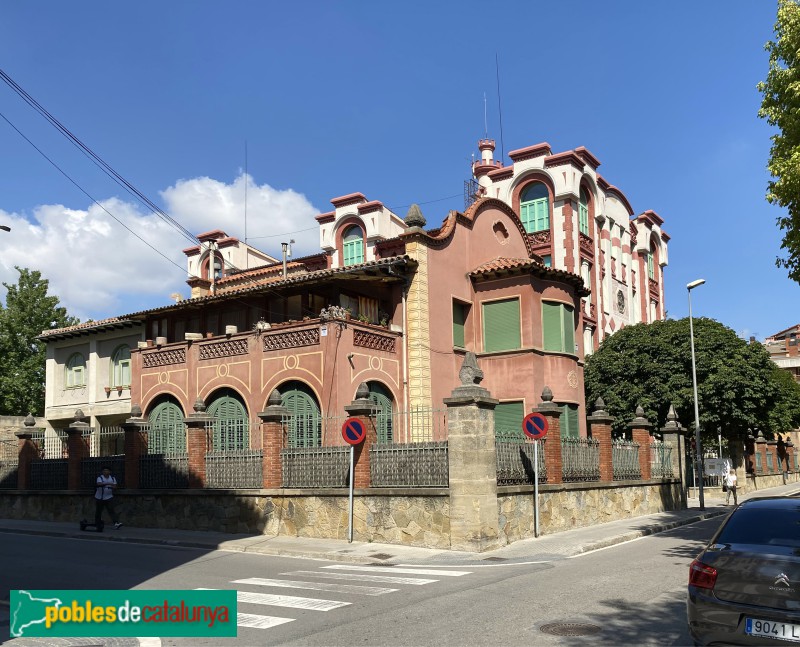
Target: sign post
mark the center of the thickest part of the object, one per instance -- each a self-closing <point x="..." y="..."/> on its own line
<point x="534" y="426"/>
<point x="353" y="432"/>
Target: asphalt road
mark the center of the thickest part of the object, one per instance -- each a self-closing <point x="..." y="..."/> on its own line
<point x="632" y="593"/>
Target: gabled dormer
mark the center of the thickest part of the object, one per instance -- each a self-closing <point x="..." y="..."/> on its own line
<point x="349" y="233"/>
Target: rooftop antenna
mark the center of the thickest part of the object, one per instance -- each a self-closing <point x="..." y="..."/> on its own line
<point x="485" y="122"/>
<point x="499" y="106"/>
<point x="247" y="256"/>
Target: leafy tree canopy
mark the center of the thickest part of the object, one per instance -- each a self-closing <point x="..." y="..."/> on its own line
<point x="738" y="385"/>
<point x="781" y="108"/>
<point x="29" y="310"/>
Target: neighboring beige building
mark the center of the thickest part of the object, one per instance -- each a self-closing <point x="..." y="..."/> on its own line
<point x="783" y="347"/>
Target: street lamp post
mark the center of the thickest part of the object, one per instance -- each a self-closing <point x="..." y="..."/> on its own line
<point x="698" y="447"/>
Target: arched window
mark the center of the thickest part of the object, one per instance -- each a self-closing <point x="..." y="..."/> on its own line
<point x="231" y="428"/>
<point x="651" y="269"/>
<point x="167" y="434"/>
<point x="218" y="269"/>
<point x="382" y="398"/>
<point x="75" y="371"/>
<point x="535" y="208"/>
<point x="583" y="213"/>
<point x="353" y="245"/>
<point x="305" y="424"/>
<point x="121" y="366"/>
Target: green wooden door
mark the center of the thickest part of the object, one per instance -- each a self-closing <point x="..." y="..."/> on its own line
<point x="167" y="433"/>
<point x="570" y="426"/>
<point x="508" y="422"/>
<point x="230" y="423"/>
<point x="305" y="423"/>
<point x="383" y="399"/>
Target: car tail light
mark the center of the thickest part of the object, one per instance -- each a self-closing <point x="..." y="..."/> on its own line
<point x="702" y="576"/>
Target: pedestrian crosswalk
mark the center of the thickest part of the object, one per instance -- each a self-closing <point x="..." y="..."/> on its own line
<point x="332" y="581"/>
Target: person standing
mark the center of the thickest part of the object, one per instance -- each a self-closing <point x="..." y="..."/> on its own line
<point x="730" y="485"/>
<point x="104" y="498"/>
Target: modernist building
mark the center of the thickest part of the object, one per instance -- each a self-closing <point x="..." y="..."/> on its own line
<point x="546" y="261"/>
<point x="782" y="348"/>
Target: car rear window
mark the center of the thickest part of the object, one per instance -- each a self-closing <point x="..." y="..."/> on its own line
<point x="773" y="527"/>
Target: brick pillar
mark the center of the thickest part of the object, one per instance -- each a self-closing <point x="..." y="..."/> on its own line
<point x="472" y="463"/>
<point x="674" y="437"/>
<point x="26" y="452"/>
<point x="135" y="429"/>
<point x="761" y="449"/>
<point x="272" y="440"/>
<point x="790" y="455"/>
<point x="749" y="452"/>
<point x="363" y="409"/>
<point x="772" y="448"/>
<point x="199" y="441"/>
<point x="640" y="432"/>
<point x="600" y="426"/>
<point x="783" y="459"/>
<point x="77" y="450"/>
<point x="552" y="444"/>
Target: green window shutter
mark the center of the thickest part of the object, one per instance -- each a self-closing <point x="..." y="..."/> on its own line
<point x="650" y="268"/>
<point x="230" y="424"/>
<point x="353" y="246"/>
<point x="583" y="218"/>
<point x="547" y="260"/>
<point x="569" y="421"/>
<point x="534" y="208"/>
<point x="167" y="433"/>
<point x="383" y="421"/>
<point x="542" y="219"/>
<point x="305" y="422"/>
<point x="569" y="329"/>
<point x="121" y="367"/>
<point x="508" y="421"/>
<point x="501" y="328"/>
<point x="459" y="317"/>
<point x="551" y="326"/>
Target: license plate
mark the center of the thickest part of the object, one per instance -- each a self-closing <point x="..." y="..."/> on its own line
<point x="772" y="629"/>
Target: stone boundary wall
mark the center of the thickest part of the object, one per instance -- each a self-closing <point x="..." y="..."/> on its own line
<point x="763" y="481"/>
<point x="576" y="505"/>
<point x="9" y="425"/>
<point x="407" y="517"/>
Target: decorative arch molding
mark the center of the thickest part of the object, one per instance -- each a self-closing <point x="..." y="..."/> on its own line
<point x="527" y="178"/>
<point x="293" y="380"/>
<point x="446" y="231"/>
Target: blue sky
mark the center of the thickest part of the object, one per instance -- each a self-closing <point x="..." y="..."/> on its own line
<point x="387" y="99"/>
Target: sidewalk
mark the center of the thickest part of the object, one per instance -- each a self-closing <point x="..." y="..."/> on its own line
<point x="546" y="548"/>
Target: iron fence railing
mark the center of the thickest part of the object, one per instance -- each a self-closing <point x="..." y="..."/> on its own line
<point x="770" y="462"/>
<point x="8" y="474"/>
<point x="235" y="469"/>
<point x="409" y="464"/>
<point x="49" y="474"/>
<point x="419" y="424"/>
<point x="514" y="457"/>
<point x="107" y="441"/>
<point x="580" y="459"/>
<point x="315" y="467"/>
<point x="625" y="460"/>
<point x="759" y="465"/>
<point x="661" y="460"/>
<point x="164" y="471"/>
<point x="53" y="443"/>
<point x="92" y="467"/>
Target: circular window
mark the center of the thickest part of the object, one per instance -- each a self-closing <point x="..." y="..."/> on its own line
<point x="500" y="233"/>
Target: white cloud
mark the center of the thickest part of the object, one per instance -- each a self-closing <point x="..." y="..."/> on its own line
<point x="99" y="269"/>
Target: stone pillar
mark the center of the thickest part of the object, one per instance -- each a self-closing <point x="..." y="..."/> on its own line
<point x="640" y="432"/>
<point x="273" y="440"/>
<point x="198" y="427"/>
<point x="790" y="455"/>
<point x="761" y="450"/>
<point x="600" y="425"/>
<point x="472" y="463"/>
<point x="363" y="409"/>
<point x="135" y="445"/>
<point x="783" y="462"/>
<point x="674" y="437"/>
<point x="750" y="452"/>
<point x="552" y="444"/>
<point x="27" y="452"/>
<point x="77" y="449"/>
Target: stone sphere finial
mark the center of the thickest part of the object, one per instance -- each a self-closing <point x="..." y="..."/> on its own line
<point x="199" y="406"/>
<point x="274" y="399"/>
<point x="639" y="412"/>
<point x="470" y="373"/>
<point x="79" y="415"/>
<point x="29" y="420"/>
<point x="136" y="411"/>
<point x="414" y="217"/>
<point x="547" y="394"/>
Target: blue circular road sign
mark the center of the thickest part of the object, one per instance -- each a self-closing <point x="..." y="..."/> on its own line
<point x="353" y="431"/>
<point x="535" y="426"/>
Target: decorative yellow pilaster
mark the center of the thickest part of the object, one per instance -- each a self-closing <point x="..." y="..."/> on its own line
<point x="419" y="338"/>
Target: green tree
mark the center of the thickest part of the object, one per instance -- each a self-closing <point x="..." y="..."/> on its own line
<point x="651" y="365"/>
<point x="781" y="108"/>
<point x="29" y="310"/>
